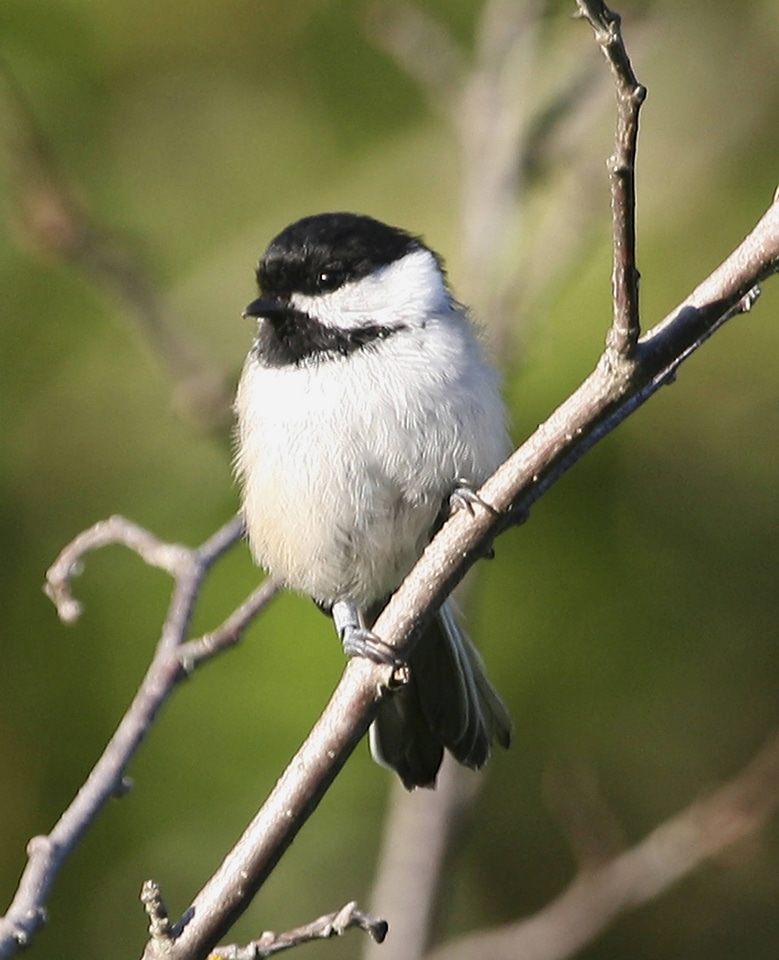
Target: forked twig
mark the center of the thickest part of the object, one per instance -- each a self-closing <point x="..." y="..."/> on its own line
<point x="174" y="659"/>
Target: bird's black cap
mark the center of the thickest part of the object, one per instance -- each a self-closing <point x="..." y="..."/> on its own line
<point x="325" y="251"/>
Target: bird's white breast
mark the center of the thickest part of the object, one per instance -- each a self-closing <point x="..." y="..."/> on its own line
<point x="345" y="463"/>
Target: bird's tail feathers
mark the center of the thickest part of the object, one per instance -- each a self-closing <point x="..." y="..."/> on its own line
<point x="448" y="703"/>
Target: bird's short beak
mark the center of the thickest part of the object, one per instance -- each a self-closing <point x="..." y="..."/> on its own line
<point x="267" y="307"/>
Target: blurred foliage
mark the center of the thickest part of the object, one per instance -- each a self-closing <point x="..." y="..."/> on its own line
<point x="631" y="624"/>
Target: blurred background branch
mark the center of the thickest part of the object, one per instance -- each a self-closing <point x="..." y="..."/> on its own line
<point x="420" y="839"/>
<point x="601" y="892"/>
<point x="505" y="126"/>
<point x="52" y="220"/>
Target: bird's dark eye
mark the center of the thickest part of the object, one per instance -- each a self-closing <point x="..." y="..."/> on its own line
<point x="329" y="280"/>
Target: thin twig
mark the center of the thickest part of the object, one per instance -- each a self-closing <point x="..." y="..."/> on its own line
<point x="174" y="659"/>
<point x="160" y="926"/>
<point x="330" y="925"/>
<point x="307" y="778"/>
<point x="228" y="633"/>
<point x="606" y="24"/>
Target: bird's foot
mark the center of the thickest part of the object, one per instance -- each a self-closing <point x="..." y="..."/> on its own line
<point x="358" y="640"/>
<point x="465" y="496"/>
<point x="361" y="642"/>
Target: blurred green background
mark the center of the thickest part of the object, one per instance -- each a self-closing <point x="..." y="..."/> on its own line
<point x="631" y="624"/>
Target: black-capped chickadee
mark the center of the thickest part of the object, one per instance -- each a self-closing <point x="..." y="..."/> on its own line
<point x="364" y="404"/>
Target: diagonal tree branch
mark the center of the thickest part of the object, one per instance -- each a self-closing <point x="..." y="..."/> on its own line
<point x="615" y="389"/>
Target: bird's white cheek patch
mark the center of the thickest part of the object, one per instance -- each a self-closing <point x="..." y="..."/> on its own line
<point x="405" y="291"/>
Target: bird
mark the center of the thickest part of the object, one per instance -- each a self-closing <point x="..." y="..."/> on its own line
<point x="366" y="411"/>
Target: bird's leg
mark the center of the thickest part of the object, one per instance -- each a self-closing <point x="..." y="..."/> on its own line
<point x="357" y="639"/>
